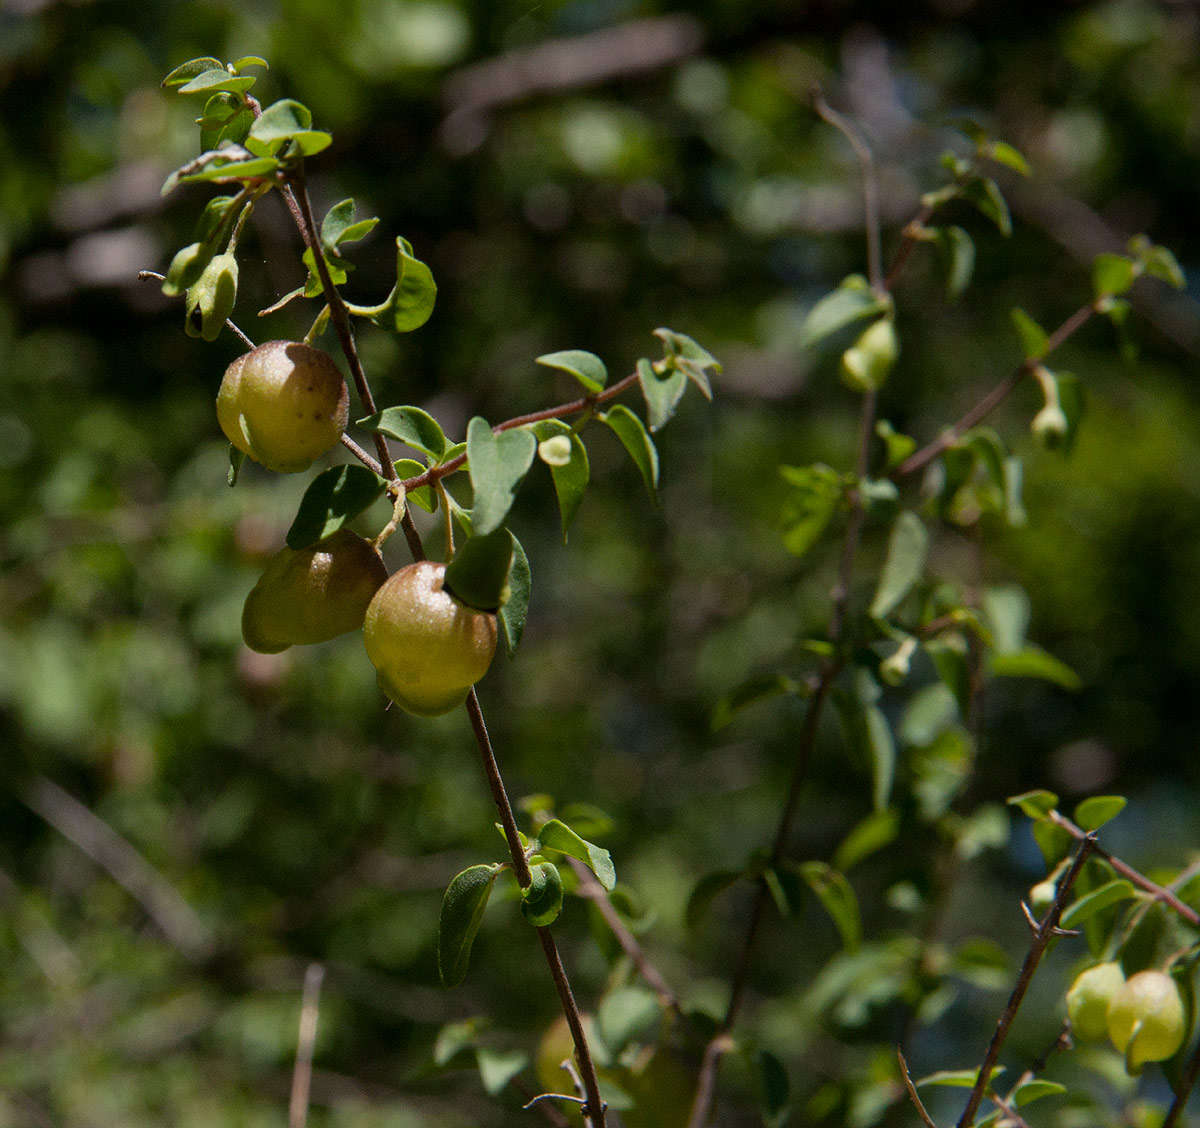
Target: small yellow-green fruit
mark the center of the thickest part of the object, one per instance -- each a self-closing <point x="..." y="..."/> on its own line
<point x="865" y="365"/>
<point x="427" y="648"/>
<point x="284" y="404"/>
<point x="312" y="594"/>
<point x="1088" y="1000"/>
<point x="1145" y="1019"/>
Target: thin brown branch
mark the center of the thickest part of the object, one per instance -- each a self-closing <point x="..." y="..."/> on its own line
<point x="921" y="458"/>
<point x="1047" y="930"/>
<point x="913" y="1095"/>
<point x="305" y="1043"/>
<point x="1011" y="1115"/>
<point x="1158" y="892"/>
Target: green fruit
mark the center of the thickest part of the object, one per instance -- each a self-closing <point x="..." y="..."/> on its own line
<point x="284" y="404"/>
<point x="1089" y="997"/>
<point x="1146" y="1019"/>
<point x="427" y="648"/>
<point x="865" y="366"/>
<point x="312" y="594"/>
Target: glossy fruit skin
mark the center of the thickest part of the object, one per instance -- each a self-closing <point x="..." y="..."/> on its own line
<point x="284" y="404"/>
<point x="312" y="594"/>
<point x="1088" y="1000"/>
<point x="1146" y="1019"/>
<point x="427" y="648"/>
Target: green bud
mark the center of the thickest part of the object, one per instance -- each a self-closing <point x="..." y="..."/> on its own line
<point x="866" y="365"/>
<point x="555" y="451"/>
<point x="210" y="299"/>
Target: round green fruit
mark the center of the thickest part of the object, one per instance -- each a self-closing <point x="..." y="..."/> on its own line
<point x="284" y="404"/>
<point x="1146" y="1019"/>
<point x="427" y="648"/>
<point x="1089" y="997"/>
<point x="312" y="594"/>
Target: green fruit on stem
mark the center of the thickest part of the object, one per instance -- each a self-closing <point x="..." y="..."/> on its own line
<point x="1146" y="1020"/>
<point x="427" y="648"/>
<point x="1088" y="1000"/>
<point x="284" y="404"/>
<point x="865" y="366"/>
<point x="312" y="594"/>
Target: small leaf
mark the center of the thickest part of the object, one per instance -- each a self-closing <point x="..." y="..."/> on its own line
<point x="250" y="61"/>
<point x="556" y="835"/>
<point x="985" y="194"/>
<point x="334" y="496"/>
<point x="835" y="893"/>
<point x="899" y="446"/>
<point x="1033" y="662"/>
<point x="877" y="830"/>
<point x="661" y="393"/>
<point x="1054" y="842"/>
<point x="761" y="688"/>
<point x="1159" y="262"/>
<point x="686" y="356"/>
<point x="1007" y="610"/>
<point x="867" y="734"/>
<point x="1033" y="337"/>
<point x="339" y="226"/>
<point x="957" y="250"/>
<point x="636" y="440"/>
<point x="186" y="267"/>
<point x="1004" y="153"/>
<point x="412" y="426"/>
<point x="498" y="1067"/>
<point x="477" y="574"/>
<point x="571" y="477"/>
<point x="411" y="302"/>
<point x="957" y="1078"/>
<point x="463" y="905"/>
<point x="1093" y="813"/>
<point x="185" y="72"/>
<point x="773" y="1086"/>
<point x="586" y="367"/>
<point x="210" y="299"/>
<point x="907" y="548"/>
<point x="282" y="120"/>
<point x="216" y="78"/>
<point x="1112" y="274"/>
<point x="705" y="892"/>
<point x="1111" y="893"/>
<point x="455" y="1037"/>
<point x="850" y="302"/>
<point x="498" y="463"/>
<point x="225" y="168"/>
<point x="1034" y="1090"/>
<point x="515" y="610"/>
<point x="542" y="901"/>
<point x="423" y="496"/>
<point x="1036" y="804"/>
<point x="626" y="1014"/>
<point x="810" y="505"/>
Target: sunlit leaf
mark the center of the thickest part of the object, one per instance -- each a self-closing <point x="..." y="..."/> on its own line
<point x="586" y="367"/>
<point x="636" y="440"/>
<point x="463" y="906"/>
<point x="498" y="463"/>
<point x="556" y="835"/>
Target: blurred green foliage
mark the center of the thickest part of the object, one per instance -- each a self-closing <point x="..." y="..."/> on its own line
<point x="286" y="817"/>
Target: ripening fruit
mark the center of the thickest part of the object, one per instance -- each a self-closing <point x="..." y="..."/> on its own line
<point x="312" y="594"/>
<point x="427" y="648"/>
<point x="284" y="404"/>
<point x="1089" y="997"/>
<point x="1146" y="1019"/>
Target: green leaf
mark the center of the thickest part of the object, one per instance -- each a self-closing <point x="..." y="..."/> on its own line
<point x="957" y="1078"/>
<point x="411" y="302"/>
<point x="690" y="358"/>
<point x="556" y="835"/>
<point x="424" y="496"/>
<point x="986" y="828"/>
<point x="334" y="496"/>
<point x="571" y="477"/>
<point x="957" y="250"/>
<point x="463" y="905"/>
<point x="339" y="226"/>
<point x="515" y="610"/>
<point x="498" y="463"/>
<point x="1003" y="153"/>
<point x="774" y="1088"/>
<point x="210" y="299"/>
<point x="1034" y="1090"/>
<point x="455" y="1037"/>
<point x="1093" y="813"/>
<point x="877" y="830"/>
<point x="226" y="117"/>
<point x="661" y="393"/>
<point x="412" y="426"/>
<point x="810" y="505"/>
<point x="542" y="901"/>
<point x="222" y="168"/>
<point x="1036" y="804"/>
<point x="705" y="892"/>
<point x="1158" y="262"/>
<point x="236" y="458"/>
<point x="981" y="962"/>
<point x="899" y="446"/>
<point x="761" y="688"/>
<point x="1033" y="337"/>
<point x="185" y="72"/>
<point x="216" y="78"/>
<point x="282" y="120"/>
<point x="1033" y="662"/>
<point x="1054" y="842"/>
<point x="627" y="1014"/>
<point x="636" y="440"/>
<point x="477" y="574"/>
<point x="186" y="267"/>
<point x="1112" y="274"/>
<point x="498" y="1067"/>
<point x="586" y="367"/>
<point x="949" y="656"/>
<point x="867" y="734"/>
<point x="850" y="302"/>
<point x="1006" y="609"/>
<point x="985" y="194"/>
<point x="250" y="61"/>
<point x="905" y="561"/>
<point x="1111" y="893"/>
<point x="835" y="893"/>
<point x="338" y="273"/>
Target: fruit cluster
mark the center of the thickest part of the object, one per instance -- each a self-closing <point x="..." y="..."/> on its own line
<point x="1143" y="1016"/>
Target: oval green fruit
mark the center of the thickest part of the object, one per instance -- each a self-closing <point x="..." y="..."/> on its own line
<point x="284" y="404"/>
<point x="1089" y="997"/>
<point x="427" y="648"/>
<point x="312" y="594"/>
<point x="1146" y="1019"/>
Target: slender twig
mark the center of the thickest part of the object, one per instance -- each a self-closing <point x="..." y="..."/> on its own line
<point x="153" y="275"/>
<point x="1139" y="879"/>
<point x="1047" y="930"/>
<point x="1186" y="1084"/>
<point x="913" y="1095"/>
<point x="1011" y="1116"/>
<point x="305" y="1043"/>
<point x="921" y="458"/>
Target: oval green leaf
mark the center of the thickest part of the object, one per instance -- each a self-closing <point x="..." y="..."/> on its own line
<point x="1087" y="906"/>
<point x="412" y="426"/>
<point x="498" y="463"/>
<point x="556" y="835"/>
<point x="907" y="548"/>
<point x="571" y="478"/>
<point x="513" y="613"/>
<point x="661" y="393"/>
<point x="463" y="905"/>
<point x="334" y="496"/>
<point x="636" y="440"/>
<point x="478" y="572"/>
<point x="586" y="367"/>
<point x="1093" y="813"/>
